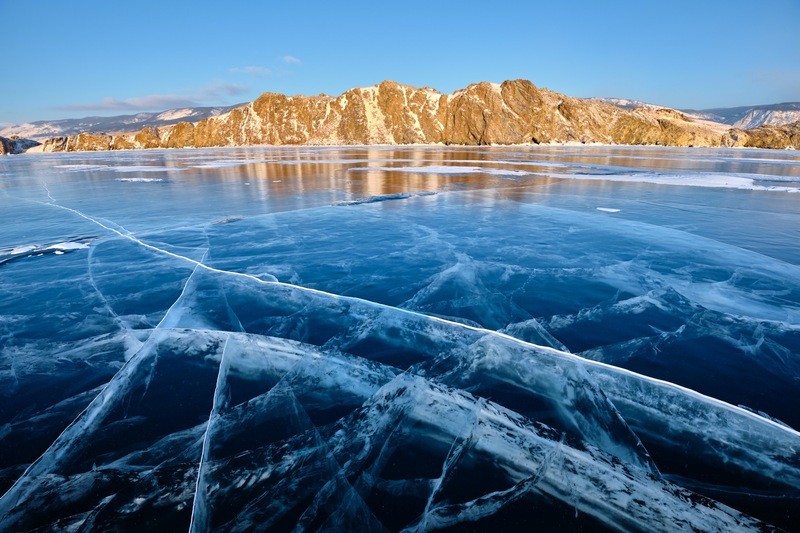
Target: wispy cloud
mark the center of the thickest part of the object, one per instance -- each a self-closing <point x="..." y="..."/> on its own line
<point x="214" y="92"/>
<point x="138" y="103"/>
<point x="291" y="60"/>
<point x="219" y="90"/>
<point x="252" y="70"/>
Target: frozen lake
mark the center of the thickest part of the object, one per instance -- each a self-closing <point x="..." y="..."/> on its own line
<point x="381" y="338"/>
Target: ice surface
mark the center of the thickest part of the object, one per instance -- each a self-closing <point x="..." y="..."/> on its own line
<point x="382" y="198"/>
<point x="209" y="356"/>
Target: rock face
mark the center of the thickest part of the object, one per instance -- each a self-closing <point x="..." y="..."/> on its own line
<point x="6" y="146"/>
<point x="15" y="145"/>
<point x="765" y="137"/>
<point x="513" y="112"/>
<point x="93" y="142"/>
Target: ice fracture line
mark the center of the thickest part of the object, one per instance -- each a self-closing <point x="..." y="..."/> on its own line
<point x="546" y="349"/>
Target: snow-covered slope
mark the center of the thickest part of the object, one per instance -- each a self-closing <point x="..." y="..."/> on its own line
<point x="762" y="117"/>
<point x="747" y="117"/>
<point x="625" y="103"/>
<point x="744" y="117"/>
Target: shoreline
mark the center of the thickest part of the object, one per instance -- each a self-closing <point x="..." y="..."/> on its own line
<point x="37" y="150"/>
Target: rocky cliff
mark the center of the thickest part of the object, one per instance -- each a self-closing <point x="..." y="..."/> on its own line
<point x="15" y="145"/>
<point x="787" y="136"/>
<point x="513" y="112"/>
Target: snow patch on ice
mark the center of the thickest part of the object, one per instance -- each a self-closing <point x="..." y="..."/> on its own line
<point x="117" y="168"/>
<point x="34" y="250"/>
<point x="141" y="180"/>
<point x="66" y="246"/>
<point x="724" y="181"/>
<point x="78" y="168"/>
<point x="225" y="163"/>
<point x="141" y="168"/>
<point x="23" y="249"/>
<point x="448" y="169"/>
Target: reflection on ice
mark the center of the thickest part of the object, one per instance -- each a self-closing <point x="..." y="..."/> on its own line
<point x="476" y="348"/>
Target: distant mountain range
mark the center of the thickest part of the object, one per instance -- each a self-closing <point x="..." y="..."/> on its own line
<point x="45" y="129"/>
<point x="747" y="117"/>
<point x="743" y="117"/>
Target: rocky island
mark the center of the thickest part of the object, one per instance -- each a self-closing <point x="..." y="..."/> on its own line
<point x="512" y="112"/>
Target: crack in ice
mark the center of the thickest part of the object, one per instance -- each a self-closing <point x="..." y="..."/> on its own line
<point x="488" y="504"/>
<point x="132" y="344"/>
<point x="339" y="477"/>
<point x="455" y="453"/>
<point x="162" y="323"/>
<point x="545" y="349"/>
<point x="88" y="415"/>
<point x="47" y="190"/>
<point x="200" y="523"/>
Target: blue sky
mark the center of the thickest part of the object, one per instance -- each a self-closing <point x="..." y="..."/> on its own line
<point x="73" y="59"/>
